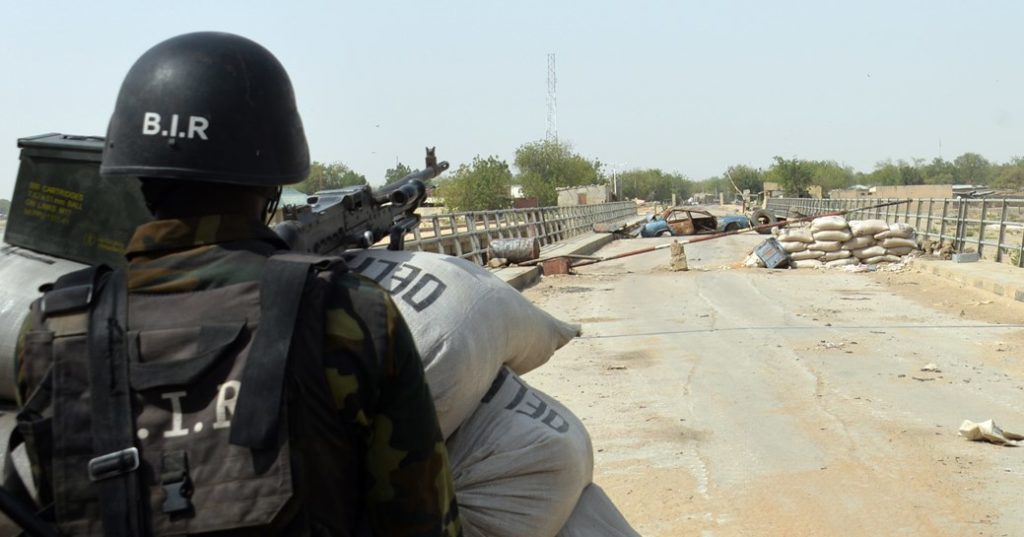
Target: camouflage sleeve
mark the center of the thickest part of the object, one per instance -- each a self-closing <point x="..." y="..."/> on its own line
<point x="412" y="492"/>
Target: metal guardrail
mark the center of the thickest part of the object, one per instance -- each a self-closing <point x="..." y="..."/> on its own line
<point x="468" y="234"/>
<point x="994" y="228"/>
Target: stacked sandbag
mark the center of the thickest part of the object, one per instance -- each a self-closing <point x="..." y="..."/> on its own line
<point x="836" y="242"/>
<point x="467" y="324"/>
<point x="797" y="241"/>
<point x="520" y="463"/>
<point x="520" y="460"/>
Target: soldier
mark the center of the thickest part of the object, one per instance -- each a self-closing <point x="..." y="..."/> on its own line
<point x="217" y="385"/>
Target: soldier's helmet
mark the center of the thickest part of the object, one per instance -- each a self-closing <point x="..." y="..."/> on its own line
<point x="207" y="106"/>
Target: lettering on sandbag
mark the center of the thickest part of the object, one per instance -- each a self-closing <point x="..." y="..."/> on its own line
<point x="536" y="407"/>
<point x="420" y="289"/>
<point x="415" y="296"/>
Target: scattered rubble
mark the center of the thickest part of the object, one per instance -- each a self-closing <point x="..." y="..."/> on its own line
<point x="988" y="431"/>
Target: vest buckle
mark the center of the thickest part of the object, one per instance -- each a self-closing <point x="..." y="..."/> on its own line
<point x="114" y="464"/>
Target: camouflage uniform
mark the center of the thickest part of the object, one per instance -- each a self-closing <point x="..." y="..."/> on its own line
<point x="407" y="485"/>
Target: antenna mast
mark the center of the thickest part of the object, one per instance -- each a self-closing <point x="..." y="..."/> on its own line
<point x="552" y="132"/>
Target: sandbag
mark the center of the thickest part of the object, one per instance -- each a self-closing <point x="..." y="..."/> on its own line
<point x="807" y="263"/>
<point x="882" y="259"/>
<point x="867" y="228"/>
<point x="872" y="251"/>
<point x="858" y="243"/>
<point x="826" y="246"/>
<point x="901" y="251"/>
<point x="898" y="242"/>
<point x="520" y="462"/>
<point x="596" y="516"/>
<point x="896" y="229"/>
<point x="825" y="223"/>
<point x="832" y="256"/>
<point x="794" y="246"/>
<point x="806" y="254"/>
<point x="840" y="235"/>
<point x="801" y="234"/>
<point x="843" y="262"/>
<point x="466" y="323"/>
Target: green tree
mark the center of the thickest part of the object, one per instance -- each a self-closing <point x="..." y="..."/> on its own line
<point x="482" y="185"/>
<point x="654" y="185"/>
<point x="742" y="177"/>
<point x="830" y="175"/>
<point x="793" y="174"/>
<point x="938" y="172"/>
<point x="5" y="206"/>
<point x="329" y="176"/>
<point x="1010" y="175"/>
<point x="399" y="171"/>
<point x="972" y="169"/>
<point x="547" y="165"/>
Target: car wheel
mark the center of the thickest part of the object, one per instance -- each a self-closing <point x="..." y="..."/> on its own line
<point x="665" y="233"/>
<point x="762" y="217"/>
<point x="732" y="227"/>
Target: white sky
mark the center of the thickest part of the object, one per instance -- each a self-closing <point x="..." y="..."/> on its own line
<point x="690" y="87"/>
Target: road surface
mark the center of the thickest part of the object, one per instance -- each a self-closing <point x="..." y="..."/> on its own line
<point x="727" y="401"/>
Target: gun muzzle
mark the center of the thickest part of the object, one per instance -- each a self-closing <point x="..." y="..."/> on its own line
<point x="407" y="193"/>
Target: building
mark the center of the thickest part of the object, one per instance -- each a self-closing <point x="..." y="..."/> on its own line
<point x="584" y="195"/>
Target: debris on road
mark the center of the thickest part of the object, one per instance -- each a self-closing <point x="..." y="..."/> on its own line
<point x="988" y="431"/>
<point x="678" y="260"/>
<point x="931" y="368"/>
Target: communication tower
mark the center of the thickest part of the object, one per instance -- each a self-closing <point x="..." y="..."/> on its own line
<point x="552" y="132"/>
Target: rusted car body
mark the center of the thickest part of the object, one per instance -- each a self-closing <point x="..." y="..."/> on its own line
<point x="686" y="220"/>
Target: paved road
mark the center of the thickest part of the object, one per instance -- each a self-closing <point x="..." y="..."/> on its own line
<point x="728" y="401"/>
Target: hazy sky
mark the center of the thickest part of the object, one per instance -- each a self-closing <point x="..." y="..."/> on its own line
<point x="691" y="87"/>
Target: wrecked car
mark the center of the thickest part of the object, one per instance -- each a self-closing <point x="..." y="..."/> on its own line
<point x="690" y="221"/>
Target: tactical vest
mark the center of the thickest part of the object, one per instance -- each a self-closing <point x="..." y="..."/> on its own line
<point x="199" y="412"/>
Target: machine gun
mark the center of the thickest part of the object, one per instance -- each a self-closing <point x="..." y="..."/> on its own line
<point x="357" y="217"/>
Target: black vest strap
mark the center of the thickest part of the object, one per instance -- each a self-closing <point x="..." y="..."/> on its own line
<point x="116" y="458"/>
<point x="258" y="410"/>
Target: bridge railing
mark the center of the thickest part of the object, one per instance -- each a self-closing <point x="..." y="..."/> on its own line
<point x="468" y="234"/>
<point x="994" y="228"/>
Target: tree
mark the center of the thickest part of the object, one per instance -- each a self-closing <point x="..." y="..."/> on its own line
<point x="794" y="175"/>
<point x="5" y="206"/>
<point x="399" y="171"/>
<point x="482" y="185"/>
<point x="329" y="176"/>
<point x="1010" y="175"/>
<point x="744" y="177"/>
<point x="654" y="184"/>
<point x="938" y="172"/>
<point x="972" y="169"/>
<point x="547" y="165"/>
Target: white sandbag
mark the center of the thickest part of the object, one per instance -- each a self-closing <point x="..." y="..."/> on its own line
<point x="832" y="256"/>
<point x="794" y="246"/>
<point x="868" y="228"/>
<point x="840" y="235"/>
<point x="826" y="246"/>
<point x="882" y="259"/>
<point x="596" y="516"/>
<point x="825" y="223"/>
<point x="466" y="323"/>
<point x="520" y="462"/>
<point x="896" y="229"/>
<point x="843" y="262"/>
<point x="806" y="254"/>
<point x="898" y="242"/>
<point x="904" y="250"/>
<point x="872" y="251"/>
<point x="807" y="263"/>
<point x="858" y="243"/>
<point x="801" y="234"/>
